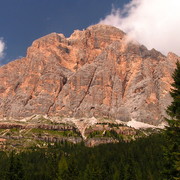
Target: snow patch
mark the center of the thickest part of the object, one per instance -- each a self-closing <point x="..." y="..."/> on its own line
<point x="138" y="125"/>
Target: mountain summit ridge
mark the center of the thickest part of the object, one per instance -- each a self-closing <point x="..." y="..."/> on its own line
<point x="92" y="73"/>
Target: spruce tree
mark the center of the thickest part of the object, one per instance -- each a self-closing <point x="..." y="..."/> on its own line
<point x="16" y="171"/>
<point x="172" y="133"/>
<point x="62" y="168"/>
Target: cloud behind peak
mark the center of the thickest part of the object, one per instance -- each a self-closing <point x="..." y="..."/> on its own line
<point x="154" y="23"/>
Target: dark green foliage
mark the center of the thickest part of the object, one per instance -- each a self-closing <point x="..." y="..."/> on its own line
<point x="137" y="160"/>
<point x="174" y="109"/>
<point x="15" y="170"/>
<point x="3" y="165"/>
<point x="62" y="168"/>
<point x="172" y="150"/>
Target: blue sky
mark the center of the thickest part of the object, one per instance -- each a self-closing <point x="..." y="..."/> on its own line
<point x="23" y="21"/>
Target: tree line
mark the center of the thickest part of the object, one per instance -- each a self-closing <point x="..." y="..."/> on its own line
<point x="137" y="160"/>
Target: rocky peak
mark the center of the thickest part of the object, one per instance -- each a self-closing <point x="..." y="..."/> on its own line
<point x="173" y="57"/>
<point x="94" y="72"/>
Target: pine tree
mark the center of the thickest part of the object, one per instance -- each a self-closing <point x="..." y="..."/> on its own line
<point x="172" y="133"/>
<point x="62" y="168"/>
<point x="15" y="169"/>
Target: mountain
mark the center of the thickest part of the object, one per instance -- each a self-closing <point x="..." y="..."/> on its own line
<point x="97" y="72"/>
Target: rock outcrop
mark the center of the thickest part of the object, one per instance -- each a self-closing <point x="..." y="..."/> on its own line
<point x="95" y="72"/>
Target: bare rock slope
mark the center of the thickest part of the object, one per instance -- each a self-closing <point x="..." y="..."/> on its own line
<point x="95" y="72"/>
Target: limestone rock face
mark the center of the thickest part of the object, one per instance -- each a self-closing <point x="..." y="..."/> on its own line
<point x="95" y="72"/>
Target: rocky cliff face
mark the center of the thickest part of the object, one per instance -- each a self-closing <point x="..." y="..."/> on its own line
<point x="95" y="72"/>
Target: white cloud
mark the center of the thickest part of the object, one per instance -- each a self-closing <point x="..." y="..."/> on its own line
<point x="154" y="23"/>
<point x="2" y="48"/>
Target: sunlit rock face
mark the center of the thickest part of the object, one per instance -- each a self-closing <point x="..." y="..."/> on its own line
<point x="95" y="72"/>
